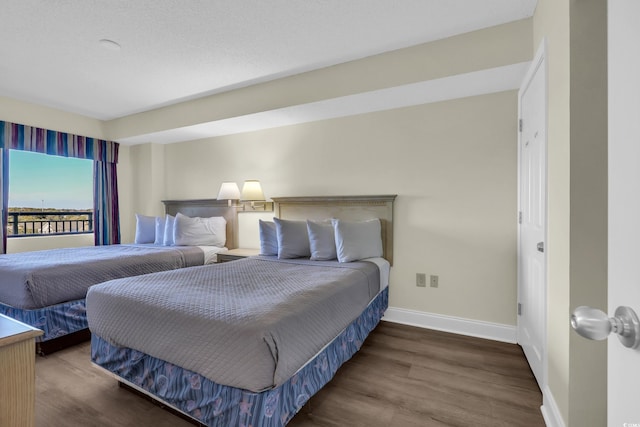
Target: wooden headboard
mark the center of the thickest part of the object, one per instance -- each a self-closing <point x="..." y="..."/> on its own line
<point x="206" y="208"/>
<point x="342" y="207"/>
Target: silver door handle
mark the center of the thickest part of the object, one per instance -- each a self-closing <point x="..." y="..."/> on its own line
<point x="594" y="324"/>
<point x="540" y="246"/>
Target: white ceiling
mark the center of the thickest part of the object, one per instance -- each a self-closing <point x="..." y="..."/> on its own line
<point x="175" y="50"/>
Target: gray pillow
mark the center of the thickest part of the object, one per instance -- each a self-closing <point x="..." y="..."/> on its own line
<point x="159" y="231"/>
<point x="268" y="238"/>
<point x="357" y="240"/>
<point x="145" y="229"/>
<point x="322" y="242"/>
<point x="293" y="238"/>
<point x="169" y="223"/>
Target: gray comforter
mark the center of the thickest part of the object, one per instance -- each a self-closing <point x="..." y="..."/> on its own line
<point x="249" y="324"/>
<point x="39" y="279"/>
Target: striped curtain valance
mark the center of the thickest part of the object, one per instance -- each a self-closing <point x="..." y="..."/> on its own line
<point x="28" y="138"/>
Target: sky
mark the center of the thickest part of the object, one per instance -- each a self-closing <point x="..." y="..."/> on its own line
<point x="42" y="181"/>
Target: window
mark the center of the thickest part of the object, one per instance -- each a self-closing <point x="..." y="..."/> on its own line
<point x="49" y="194"/>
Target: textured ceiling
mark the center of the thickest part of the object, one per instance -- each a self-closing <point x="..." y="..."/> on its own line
<point x="174" y="50"/>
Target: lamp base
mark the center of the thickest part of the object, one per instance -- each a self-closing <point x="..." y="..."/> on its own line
<point x="255" y="206"/>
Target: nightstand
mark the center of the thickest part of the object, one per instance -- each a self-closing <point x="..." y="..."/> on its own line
<point x="235" y="254"/>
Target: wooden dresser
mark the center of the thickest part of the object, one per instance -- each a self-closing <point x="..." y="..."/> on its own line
<point x="17" y="373"/>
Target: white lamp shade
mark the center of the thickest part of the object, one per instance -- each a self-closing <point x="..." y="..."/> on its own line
<point x="229" y="191"/>
<point x="252" y="191"/>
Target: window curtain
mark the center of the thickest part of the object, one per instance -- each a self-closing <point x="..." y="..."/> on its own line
<point x="105" y="203"/>
<point x="4" y="197"/>
<point x="104" y="154"/>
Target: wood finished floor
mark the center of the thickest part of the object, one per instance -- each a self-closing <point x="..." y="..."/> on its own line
<point x="403" y="376"/>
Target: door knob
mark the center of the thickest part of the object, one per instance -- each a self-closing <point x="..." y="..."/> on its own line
<point x="594" y="324"/>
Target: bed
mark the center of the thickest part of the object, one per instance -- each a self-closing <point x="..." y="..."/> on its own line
<point x="47" y="289"/>
<point x="247" y="342"/>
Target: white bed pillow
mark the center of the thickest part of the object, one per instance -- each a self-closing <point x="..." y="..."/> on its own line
<point x="169" y="222"/>
<point x="159" y="224"/>
<point x="145" y="229"/>
<point x="357" y="240"/>
<point x="200" y="231"/>
<point x="268" y="238"/>
<point x="293" y="238"/>
<point x="322" y="242"/>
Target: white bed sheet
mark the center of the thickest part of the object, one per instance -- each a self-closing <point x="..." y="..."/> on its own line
<point x="385" y="268"/>
<point x="211" y="253"/>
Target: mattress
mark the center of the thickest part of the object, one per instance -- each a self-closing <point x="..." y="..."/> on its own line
<point x="39" y="279"/>
<point x="261" y="319"/>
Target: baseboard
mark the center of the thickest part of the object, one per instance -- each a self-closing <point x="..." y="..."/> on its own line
<point x="456" y="325"/>
<point x="550" y="411"/>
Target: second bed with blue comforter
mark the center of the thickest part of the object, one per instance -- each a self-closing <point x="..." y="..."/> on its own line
<point x="254" y="338"/>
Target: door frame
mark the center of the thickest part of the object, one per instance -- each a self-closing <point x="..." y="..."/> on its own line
<point x="538" y="61"/>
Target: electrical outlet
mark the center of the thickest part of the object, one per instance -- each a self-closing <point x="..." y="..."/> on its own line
<point x="433" y="281"/>
<point x="421" y="280"/>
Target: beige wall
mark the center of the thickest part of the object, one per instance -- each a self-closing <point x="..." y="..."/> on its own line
<point x="488" y="48"/>
<point x="588" y="359"/>
<point x="577" y="178"/>
<point x="452" y="164"/>
<point x="127" y="193"/>
<point x="147" y="185"/>
<point x="27" y="244"/>
<point x="29" y="114"/>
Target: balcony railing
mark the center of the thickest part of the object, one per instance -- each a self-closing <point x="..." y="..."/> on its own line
<point x="39" y="223"/>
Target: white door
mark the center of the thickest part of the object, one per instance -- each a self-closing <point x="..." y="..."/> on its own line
<point x="532" y="217"/>
<point x="624" y="204"/>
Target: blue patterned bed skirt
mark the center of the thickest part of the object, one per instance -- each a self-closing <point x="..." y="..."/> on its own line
<point x="56" y="320"/>
<point x="219" y="406"/>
